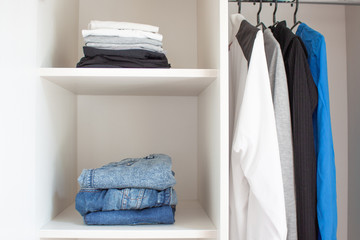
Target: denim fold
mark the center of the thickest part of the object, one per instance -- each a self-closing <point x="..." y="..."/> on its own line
<point x="153" y="172"/>
<point x="94" y="200"/>
<point x="158" y="215"/>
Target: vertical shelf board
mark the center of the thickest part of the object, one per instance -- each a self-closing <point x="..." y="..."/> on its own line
<point x="224" y="120"/>
<point x="134" y="81"/>
<point x="191" y="221"/>
<point x="214" y="114"/>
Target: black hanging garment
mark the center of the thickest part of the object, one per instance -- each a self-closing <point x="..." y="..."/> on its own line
<point x="303" y="101"/>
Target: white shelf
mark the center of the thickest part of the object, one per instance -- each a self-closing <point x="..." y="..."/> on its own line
<point x="191" y="221"/>
<point x="133" y="81"/>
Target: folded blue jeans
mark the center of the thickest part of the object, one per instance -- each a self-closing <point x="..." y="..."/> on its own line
<point x="93" y="200"/>
<point x="153" y="171"/>
<point x="158" y="215"/>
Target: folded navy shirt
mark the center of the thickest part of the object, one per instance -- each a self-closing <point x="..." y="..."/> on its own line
<point x="133" y="58"/>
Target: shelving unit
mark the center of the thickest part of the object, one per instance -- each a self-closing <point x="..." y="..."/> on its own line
<point x="191" y="222"/>
<point x="88" y="117"/>
<point x="144" y="82"/>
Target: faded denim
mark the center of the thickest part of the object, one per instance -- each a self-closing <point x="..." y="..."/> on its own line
<point x="158" y="215"/>
<point x="93" y="200"/>
<point x="153" y="171"/>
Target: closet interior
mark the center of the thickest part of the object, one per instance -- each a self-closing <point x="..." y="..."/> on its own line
<point x="89" y="117"/>
<point x="336" y="21"/>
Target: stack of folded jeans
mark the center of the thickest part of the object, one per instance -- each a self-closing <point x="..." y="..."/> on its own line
<point x="133" y="191"/>
<point x="122" y="45"/>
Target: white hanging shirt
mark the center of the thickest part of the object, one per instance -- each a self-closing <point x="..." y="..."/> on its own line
<point x="257" y="205"/>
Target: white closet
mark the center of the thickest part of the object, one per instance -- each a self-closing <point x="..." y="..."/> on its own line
<point x="56" y="120"/>
<point x="89" y="117"/>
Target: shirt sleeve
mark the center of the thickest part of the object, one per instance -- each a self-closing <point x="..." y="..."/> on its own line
<point x="303" y="101"/>
<point x="326" y="173"/>
<point x="255" y="148"/>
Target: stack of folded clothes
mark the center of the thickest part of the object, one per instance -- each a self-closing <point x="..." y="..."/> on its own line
<point x="133" y="191"/>
<point x="122" y="45"/>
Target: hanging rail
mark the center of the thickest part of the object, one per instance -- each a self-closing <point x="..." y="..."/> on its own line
<point x="329" y="2"/>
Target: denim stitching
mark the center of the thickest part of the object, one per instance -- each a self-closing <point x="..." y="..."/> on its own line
<point x="87" y="179"/>
<point x="159" y="198"/>
<point x="126" y="196"/>
<point x="90" y="190"/>
<point x="121" y="200"/>
<point x="167" y="196"/>
<point x="140" y="197"/>
<point x="92" y="173"/>
<point x="171" y="195"/>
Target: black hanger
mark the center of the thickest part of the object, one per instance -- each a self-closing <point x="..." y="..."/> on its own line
<point x="274" y="13"/>
<point x="258" y="18"/>
<point x="296" y="9"/>
<point x="239" y="4"/>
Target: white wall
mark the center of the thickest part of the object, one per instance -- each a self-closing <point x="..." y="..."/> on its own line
<point x="17" y="119"/>
<point x="176" y="24"/>
<point x="330" y="21"/>
<point x="22" y="98"/>
<point x="111" y="128"/>
<point x="353" y="53"/>
<point x="57" y="33"/>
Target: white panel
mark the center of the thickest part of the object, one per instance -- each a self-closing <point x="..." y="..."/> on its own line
<point x="209" y="152"/>
<point x="190" y="222"/>
<point x="111" y="128"/>
<point x="329" y="21"/>
<point x="58" y="33"/>
<point x="17" y="119"/>
<point x="55" y="150"/>
<point x="224" y="123"/>
<point x="120" y="81"/>
<point x="353" y="53"/>
<point x="213" y="114"/>
<point x="176" y="19"/>
<point x="55" y="109"/>
<point x="209" y="164"/>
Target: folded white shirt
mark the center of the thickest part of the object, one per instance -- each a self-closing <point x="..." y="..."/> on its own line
<point x="121" y="40"/>
<point x="94" y="24"/>
<point x="122" y="33"/>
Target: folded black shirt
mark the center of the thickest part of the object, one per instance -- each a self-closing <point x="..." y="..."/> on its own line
<point x="133" y="58"/>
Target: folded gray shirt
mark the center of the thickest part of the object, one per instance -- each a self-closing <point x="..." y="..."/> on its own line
<point x="112" y="46"/>
<point x="280" y="95"/>
<point x="121" y="40"/>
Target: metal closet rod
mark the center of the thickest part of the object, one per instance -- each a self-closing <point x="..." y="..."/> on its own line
<point x="333" y="2"/>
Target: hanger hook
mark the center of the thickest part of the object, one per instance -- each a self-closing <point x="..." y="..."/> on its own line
<point x="274" y="13"/>
<point x="296" y="10"/>
<point x="258" y="13"/>
<point x="239" y="4"/>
